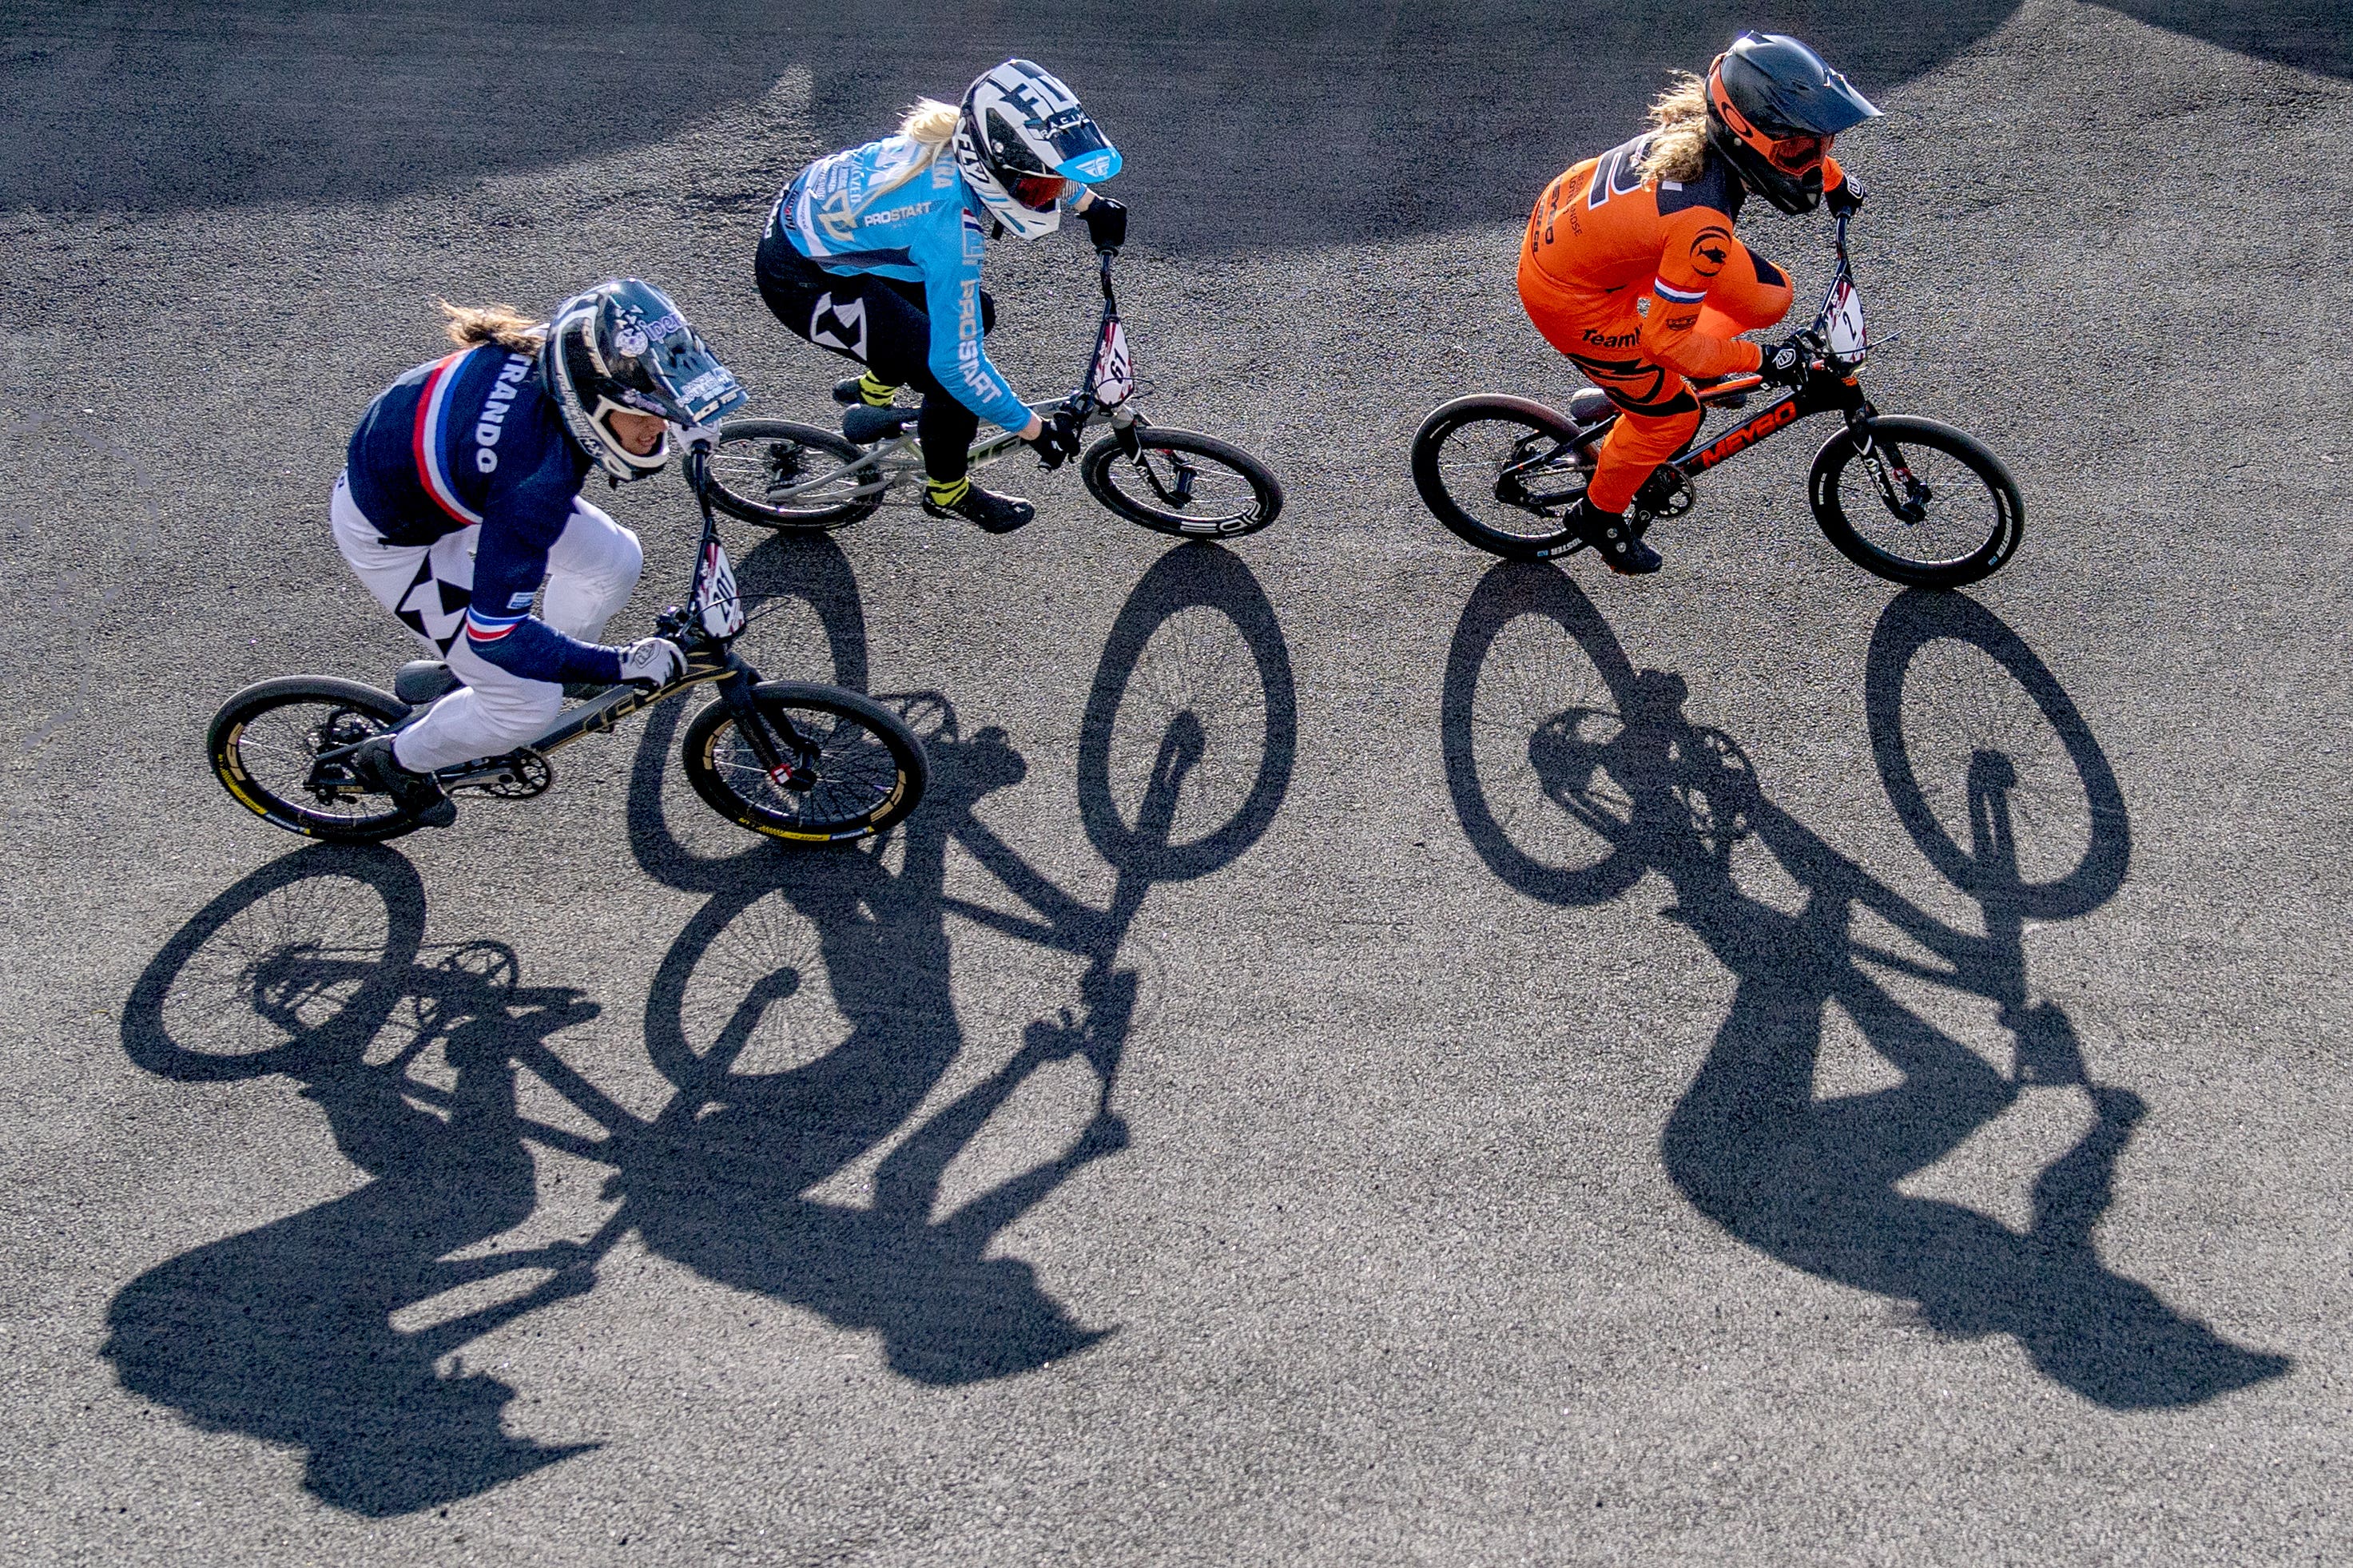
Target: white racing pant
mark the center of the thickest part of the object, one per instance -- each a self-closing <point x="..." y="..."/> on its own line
<point x="592" y="570"/>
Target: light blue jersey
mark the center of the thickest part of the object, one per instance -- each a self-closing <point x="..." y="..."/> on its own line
<point x="900" y="209"/>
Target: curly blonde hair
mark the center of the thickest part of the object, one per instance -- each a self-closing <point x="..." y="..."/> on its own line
<point x="1678" y="146"/>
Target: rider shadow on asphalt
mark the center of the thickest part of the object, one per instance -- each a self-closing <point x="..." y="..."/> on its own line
<point x="286" y="1333"/>
<point x="314" y="966"/>
<point x="1815" y="1182"/>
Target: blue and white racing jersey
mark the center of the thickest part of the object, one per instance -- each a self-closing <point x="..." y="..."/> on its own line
<point x="900" y="209"/>
<point x="473" y="439"/>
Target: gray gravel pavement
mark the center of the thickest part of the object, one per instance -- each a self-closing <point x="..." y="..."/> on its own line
<point x="1739" y="1066"/>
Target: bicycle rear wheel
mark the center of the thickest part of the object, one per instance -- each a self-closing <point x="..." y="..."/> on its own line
<point x="757" y="459"/>
<point x="1928" y="506"/>
<point x="1495" y="470"/>
<point x="1194" y="487"/>
<point x="856" y="768"/>
<point x="264" y="746"/>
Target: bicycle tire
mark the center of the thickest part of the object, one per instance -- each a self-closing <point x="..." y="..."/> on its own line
<point x="230" y="739"/>
<point x="759" y="445"/>
<point x="1099" y="469"/>
<point x="867" y="800"/>
<point x="1446" y="424"/>
<point x="301" y="958"/>
<point x="2000" y="539"/>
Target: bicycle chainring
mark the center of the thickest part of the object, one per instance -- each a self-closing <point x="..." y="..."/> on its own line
<point x="518" y="775"/>
<point x="1666" y="493"/>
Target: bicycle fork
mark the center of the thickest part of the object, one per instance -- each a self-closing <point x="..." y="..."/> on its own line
<point x="789" y="766"/>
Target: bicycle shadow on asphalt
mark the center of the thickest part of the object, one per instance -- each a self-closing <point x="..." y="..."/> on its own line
<point x="286" y="1333"/>
<point x="337" y="1330"/>
<point x="1575" y="776"/>
<point x="723" y="1181"/>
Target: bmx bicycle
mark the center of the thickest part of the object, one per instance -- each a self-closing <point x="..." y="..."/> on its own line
<point x="1910" y="499"/>
<point x="788" y="476"/>
<point x="794" y="761"/>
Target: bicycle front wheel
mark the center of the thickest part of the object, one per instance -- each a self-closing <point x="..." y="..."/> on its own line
<point x="1498" y="472"/>
<point x="1194" y="487"/>
<point x="265" y="743"/>
<point x="850" y="768"/>
<point x="1926" y="506"/>
<point x="786" y="476"/>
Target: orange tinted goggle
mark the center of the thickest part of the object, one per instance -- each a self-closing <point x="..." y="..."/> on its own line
<point x="1796" y="154"/>
<point x="1040" y="192"/>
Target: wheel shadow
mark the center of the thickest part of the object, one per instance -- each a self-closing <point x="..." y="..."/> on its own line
<point x="311" y="966"/>
<point x="1575" y="775"/>
<point x="805" y="1016"/>
<point x="841" y="965"/>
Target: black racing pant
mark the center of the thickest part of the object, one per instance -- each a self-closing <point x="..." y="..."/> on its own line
<point x="883" y="323"/>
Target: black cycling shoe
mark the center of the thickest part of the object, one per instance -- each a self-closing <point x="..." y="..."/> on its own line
<point x="993" y="513"/>
<point x="1614" y="540"/>
<point x="863" y="390"/>
<point x="418" y="795"/>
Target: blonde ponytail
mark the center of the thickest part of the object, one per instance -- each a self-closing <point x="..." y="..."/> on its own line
<point x="1678" y="147"/>
<point x="930" y="122"/>
<point x="471" y="326"/>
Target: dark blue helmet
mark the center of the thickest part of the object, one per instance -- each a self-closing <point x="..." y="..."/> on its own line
<point x="624" y="346"/>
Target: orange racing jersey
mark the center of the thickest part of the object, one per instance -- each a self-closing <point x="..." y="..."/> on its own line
<point x="1633" y="258"/>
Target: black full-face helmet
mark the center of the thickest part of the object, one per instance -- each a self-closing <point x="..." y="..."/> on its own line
<point x="1773" y="107"/>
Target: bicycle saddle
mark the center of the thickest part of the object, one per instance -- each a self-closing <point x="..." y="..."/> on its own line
<point x="867" y="425"/>
<point x="421" y="680"/>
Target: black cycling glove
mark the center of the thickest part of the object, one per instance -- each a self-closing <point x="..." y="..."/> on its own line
<point x="1056" y="441"/>
<point x="1846" y="197"/>
<point x="1106" y="222"/>
<point x="1789" y="361"/>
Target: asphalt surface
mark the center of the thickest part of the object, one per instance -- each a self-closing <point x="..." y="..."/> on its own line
<point x="1744" y="1065"/>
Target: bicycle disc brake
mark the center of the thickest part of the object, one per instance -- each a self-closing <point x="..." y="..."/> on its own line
<point x="1538" y="453"/>
<point x="334" y="783"/>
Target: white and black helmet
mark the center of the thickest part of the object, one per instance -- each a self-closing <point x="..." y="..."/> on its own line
<point x="1024" y="144"/>
<point x="624" y="346"/>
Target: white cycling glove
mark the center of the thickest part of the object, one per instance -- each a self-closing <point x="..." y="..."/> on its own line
<point x="652" y="662"/>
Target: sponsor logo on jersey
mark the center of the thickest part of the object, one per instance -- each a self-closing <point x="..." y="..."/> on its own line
<point x="1613" y="340"/>
<point x="1710" y="249"/>
<point x="911" y="209"/>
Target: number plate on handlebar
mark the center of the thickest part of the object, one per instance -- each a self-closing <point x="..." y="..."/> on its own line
<point x="1843" y="323"/>
<point x="1114" y="373"/>
<point x="718" y="605"/>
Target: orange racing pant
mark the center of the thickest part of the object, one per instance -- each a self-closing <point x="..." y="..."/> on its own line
<point x="1659" y="410"/>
